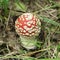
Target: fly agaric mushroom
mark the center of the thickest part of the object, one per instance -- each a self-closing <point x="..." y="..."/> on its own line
<point x="28" y="27"/>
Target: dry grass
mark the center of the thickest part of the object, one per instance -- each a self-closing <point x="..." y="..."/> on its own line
<point x="48" y="11"/>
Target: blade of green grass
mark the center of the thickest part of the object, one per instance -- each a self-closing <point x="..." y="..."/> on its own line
<point x="49" y="21"/>
<point x="20" y="6"/>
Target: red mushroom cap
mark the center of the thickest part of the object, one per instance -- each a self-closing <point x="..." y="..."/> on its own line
<point x="27" y="25"/>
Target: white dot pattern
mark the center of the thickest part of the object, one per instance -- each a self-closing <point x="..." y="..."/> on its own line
<point x="27" y="25"/>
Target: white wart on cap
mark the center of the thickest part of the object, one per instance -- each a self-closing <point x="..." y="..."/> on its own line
<point x="27" y="24"/>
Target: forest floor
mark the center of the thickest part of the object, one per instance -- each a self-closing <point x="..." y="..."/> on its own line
<point x="48" y="11"/>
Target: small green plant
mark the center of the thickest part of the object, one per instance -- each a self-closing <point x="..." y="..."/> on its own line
<point x="4" y="6"/>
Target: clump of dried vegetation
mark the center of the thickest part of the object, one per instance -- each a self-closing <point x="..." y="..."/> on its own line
<point x="48" y="11"/>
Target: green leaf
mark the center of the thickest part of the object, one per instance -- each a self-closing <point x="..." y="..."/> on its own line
<point x="20" y="6"/>
<point x="49" y="21"/>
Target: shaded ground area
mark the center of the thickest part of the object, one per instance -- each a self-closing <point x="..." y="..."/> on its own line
<point x="48" y="11"/>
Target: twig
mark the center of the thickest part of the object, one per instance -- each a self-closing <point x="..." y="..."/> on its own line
<point x="10" y="55"/>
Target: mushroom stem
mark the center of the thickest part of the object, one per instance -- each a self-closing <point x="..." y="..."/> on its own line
<point x="28" y="42"/>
